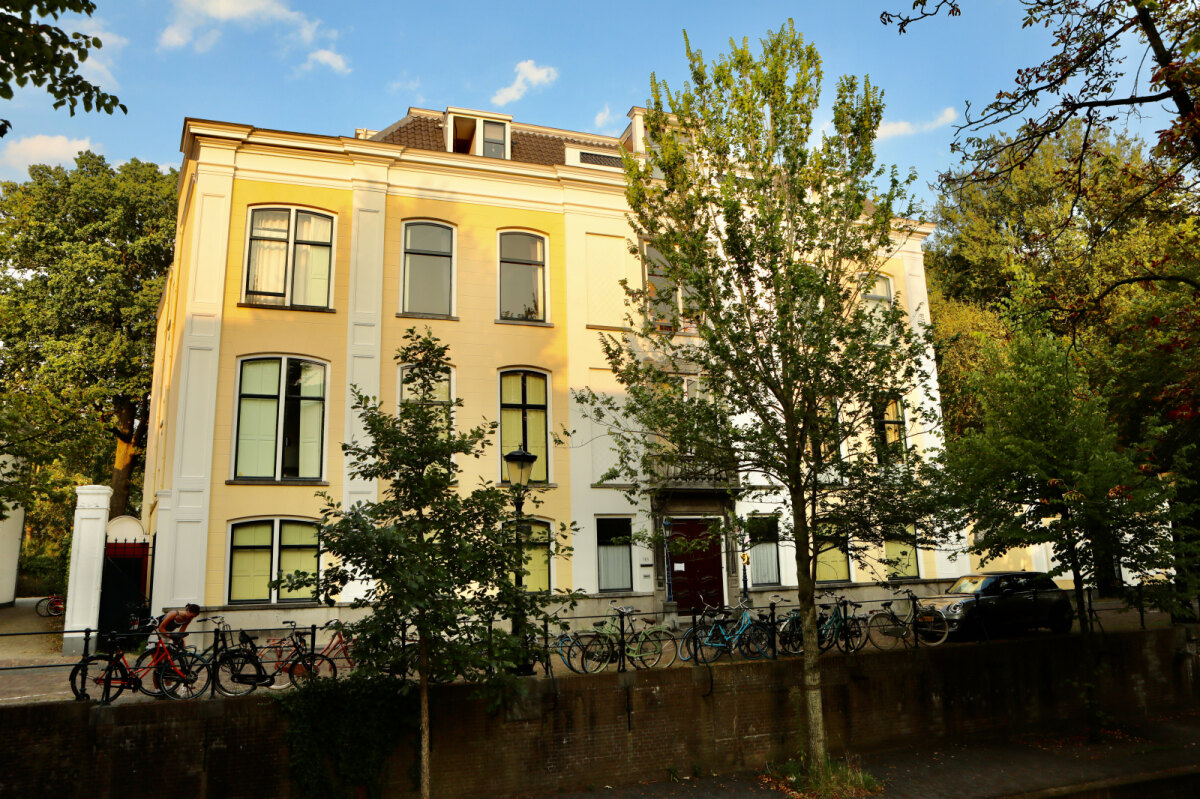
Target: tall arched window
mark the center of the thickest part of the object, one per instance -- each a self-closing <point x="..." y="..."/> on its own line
<point x="428" y="269"/>
<point x="280" y="419"/>
<point x="289" y="258"/>
<point x="524" y="400"/>
<point x="522" y="277"/>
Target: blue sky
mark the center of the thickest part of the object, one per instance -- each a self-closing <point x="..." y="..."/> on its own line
<point x="329" y="68"/>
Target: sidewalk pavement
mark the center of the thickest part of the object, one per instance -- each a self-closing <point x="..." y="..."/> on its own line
<point x="45" y="649"/>
<point x="1036" y="766"/>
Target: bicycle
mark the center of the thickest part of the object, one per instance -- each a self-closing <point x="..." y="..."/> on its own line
<point x="52" y="605"/>
<point x="165" y="669"/>
<point x="292" y="656"/>
<point x="749" y="635"/>
<point x="339" y="647"/>
<point x="235" y="667"/>
<point x="837" y="625"/>
<point x="924" y="625"/>
<point x="644" y="648"/>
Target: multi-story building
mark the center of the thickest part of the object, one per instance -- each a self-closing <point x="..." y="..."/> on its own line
<point x="301" y="260"/>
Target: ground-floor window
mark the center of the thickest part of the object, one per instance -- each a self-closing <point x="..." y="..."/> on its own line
<point x="763" y="535"/>
<point x="264" y="549"/>
<point x="613" y="555"/>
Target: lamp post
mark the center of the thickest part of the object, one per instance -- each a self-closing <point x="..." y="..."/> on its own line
<point x="520" y="467"/>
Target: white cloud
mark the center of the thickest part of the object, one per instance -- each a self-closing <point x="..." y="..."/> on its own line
<point x="528" y="74"/>
<point x="18" y="155"/>
<point x="327" y="58"/>
<point x="888" y="130"/>
<point x="603" y="119"/>
<point x="99" y="65"/>
<point x="197" y="22"/>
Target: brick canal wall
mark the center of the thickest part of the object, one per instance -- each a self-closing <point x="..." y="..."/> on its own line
<point x="580" y="731"/>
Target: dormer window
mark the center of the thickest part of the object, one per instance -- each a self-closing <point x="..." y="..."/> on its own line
<point x="493" y="139"/>
<point x="477" y="133"/>
<point x="464" y="135"/>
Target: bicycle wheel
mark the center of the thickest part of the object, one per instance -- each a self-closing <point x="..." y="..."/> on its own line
<point x="790" y="638"/>
<point x="652" y="647"/>
<point x="686" y="646"/>
<point x="887" y="631"/>
<point x="43" y="606"/>
<point x="569" y="651"/>
<point x="83" y="689"/>
<point x="146" y="670"/>
<point x="597" y="654"/>
<point x="852" y="636"/>
<point x="113" y="680"/>
<point x="57" y="606"/>
<point x="711" y="645"/>
<point x="755" y="641"/>
<point x="237" y="673"/>
<point x="827" y="634"/>
<point x="184" y="675"/>
<point x="310" y="666"/>
<point x="931" y="627"/>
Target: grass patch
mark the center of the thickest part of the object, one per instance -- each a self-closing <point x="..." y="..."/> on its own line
<point x="835" y="779"/>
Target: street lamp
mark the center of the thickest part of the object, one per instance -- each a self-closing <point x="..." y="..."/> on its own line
<point x="520" y="468"/>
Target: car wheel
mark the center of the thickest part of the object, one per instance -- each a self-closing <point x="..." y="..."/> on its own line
<point x="1060" y="624"/>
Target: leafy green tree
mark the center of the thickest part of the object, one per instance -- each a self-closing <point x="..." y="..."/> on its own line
<point x="1092" y="75"/>
<point x="1103" y="279"/>
<point x="34" y="51"/>
<point x="762" y="237"/>
<point x="438" y="561"/>
<point x="83" y="256"/>
<point x="1044" y="466"/>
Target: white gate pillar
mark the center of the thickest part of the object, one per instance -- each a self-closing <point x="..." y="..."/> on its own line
<point x="87" y="566"/>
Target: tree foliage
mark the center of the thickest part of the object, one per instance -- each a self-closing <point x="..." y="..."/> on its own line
<point x="1108" y="57"/>
<point x="35" y="51"/>
<point x="436" y="562"/>
<point x="752" y="355"/>
<point x="84" y="253"/>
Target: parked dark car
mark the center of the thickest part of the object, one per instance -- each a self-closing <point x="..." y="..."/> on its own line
<point x="997" y="602"/>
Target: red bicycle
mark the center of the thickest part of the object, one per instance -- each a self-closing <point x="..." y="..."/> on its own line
<point x="162" y="670"/>
<point x="52" y="605"/>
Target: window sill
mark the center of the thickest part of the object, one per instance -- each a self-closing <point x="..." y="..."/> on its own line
<point x="304" y="308"/>
<point x="530" y="486"/>
<point x="268" y="481"/>
<point x="612" y="486"/>
<point x="260" y="604"/>
<point x="415" y="315"/>
<point x="612" y="328"/>
<point x="526" y="322"/>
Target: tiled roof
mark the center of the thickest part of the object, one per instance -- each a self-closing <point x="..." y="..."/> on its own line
<point x="426" y="133"/>
<point x="421" y="133"/>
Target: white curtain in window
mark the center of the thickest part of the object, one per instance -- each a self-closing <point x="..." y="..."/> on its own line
<point x="310" y="280"/>
<point x="616" y="571"/>
<point x="764" y="564"/>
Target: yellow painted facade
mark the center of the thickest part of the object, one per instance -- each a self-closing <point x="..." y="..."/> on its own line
<point x="572" y="198"/>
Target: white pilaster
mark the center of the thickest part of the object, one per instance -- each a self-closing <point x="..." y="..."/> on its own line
<point x="10" y="550"/>
<point x="364" y="362"/>
<point x="87" y="566"/>
<point x="199" y="360"/>
<point x="162" y="589"/>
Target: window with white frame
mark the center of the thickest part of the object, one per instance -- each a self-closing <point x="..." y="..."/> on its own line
<point x="522" y="277"/>
<point x="878" y="296"/>
<point x="493" y="140"/>
<point x="535" y="541"/>
<point x="428" y="269"/>
<point x="901" y="556"/>
<point x="265" y="549"/>
<point x="763" y="535"/>
<point x="832" y="559"/>
<point x="289" y="258"/>
<point x="668" y="307"/>
<point x="614" y="553"/>
<point x="280" y="419"/>
<point x="523" y="419"/>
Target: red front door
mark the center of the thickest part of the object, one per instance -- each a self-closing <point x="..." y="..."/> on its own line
<point x="695" y="570"/>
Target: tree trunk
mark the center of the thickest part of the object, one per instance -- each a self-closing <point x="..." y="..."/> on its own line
<point x="424" y="663"/>
<point x="814" y="711"/>
<point x="126" y="458"/>
<point x="1087" y="655"/>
